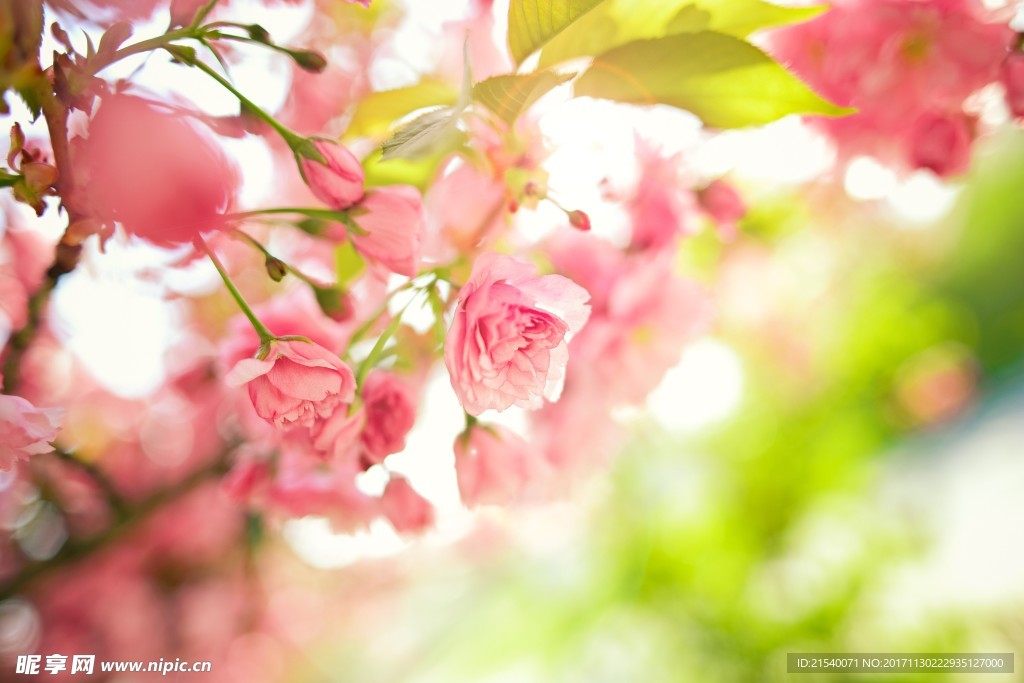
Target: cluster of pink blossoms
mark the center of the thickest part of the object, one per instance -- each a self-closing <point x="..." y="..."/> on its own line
<point x="909" y="68"/>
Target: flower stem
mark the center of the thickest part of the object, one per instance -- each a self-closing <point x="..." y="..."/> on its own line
<point x="96" y="65"/>
<point x="292" y="138"/>
<point x="327" y="214"/>
<point x="266" y="336"/>
<point x="266" y="252"/>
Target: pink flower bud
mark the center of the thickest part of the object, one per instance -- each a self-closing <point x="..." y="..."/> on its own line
<point x="339" y="182"/>
<point x="1013" y="81"/>
<point x="393" y="220"/>
<point x="390" y="413"/>
<point x="579" y="220"/>
<point x="941" y="144"/>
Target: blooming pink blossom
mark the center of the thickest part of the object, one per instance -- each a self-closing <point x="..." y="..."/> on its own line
<point x="393" y="220"/>
<point x="407" y="510"/>
<point x="493" y="465"/>
<point x="337" y="183"/>
<point x="153" y="172"/>
<point x="390" y="413"/>
<point x="302" y="384"/>
<point x="25" y="430"/>
<point x="508" y="342"/>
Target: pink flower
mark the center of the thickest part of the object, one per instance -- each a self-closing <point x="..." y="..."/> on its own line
<point x="390" y="413"/>
<point x="339" y="182"/>
<point x="942" y="144"/>
<point x="894" y="60"/>
<point x="302" y="384"/>
<point x="1013" y="82"/>
<point x="394" y="223"/>
<point x="661" y="205"/>
<point x="643" y="316"/>
<point x="25" y="430"/>
<point x="723" y="204"/>
<point x="407" y="510"/>
<point x="301" y="488"/>
<point x="508" y="342"/>
<point x="152" y="171"/>
<point x="492" y="465"/>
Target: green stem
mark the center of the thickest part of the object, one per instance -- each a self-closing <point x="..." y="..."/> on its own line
<point x="266" y="336"/>
<point x="201" y="14"/>
<point x="326" y="214"/>
<point x="293" y="139"/>
<point x="266" y="252"/>
<point x="97" y="65"/>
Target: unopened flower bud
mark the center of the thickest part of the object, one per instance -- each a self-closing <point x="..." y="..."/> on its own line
<point x="579" y="220"/>
<point x="338" y="180"/>
<point x="308" y="60"/>
<point x="276" y="268"/>
<point x="334" y="302"/>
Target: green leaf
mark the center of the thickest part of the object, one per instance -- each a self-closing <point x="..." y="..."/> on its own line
<point x="425" y="135"/>
<point x="510" y="95"/>
<point x="532" y="23"/>
<point x="437" y="307"/>
<point x="725" y="81"/>
<point x="378" y="111"/>
<point x="347" y="263"/>
<point x="378" y="349"/>
<point x="433" y="132"/>
<point x="617" y="22"/>
<point x="740" y="18"/>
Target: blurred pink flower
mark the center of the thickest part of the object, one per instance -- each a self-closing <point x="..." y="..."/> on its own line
<point x="493" y="465"/>
<point x="25" y="430"/>
<point x="894" y="60"/>
<point x="723" y="204"/>
<point x="301" y="488"/>
<point x="390" y="413"/>
<point x="941" y="144"/>
<point x="643" y="315"/>
<point x="661" y="206"/>
<point x="152" y="171"/>
<point x="339" y="182"/>
<point x="393" y="220"/>
<point x="508" y="342"/>
<point x="298" y="384"/>
<point x="407" y="510"/>
<point x="1013" y="82"/>
<point x="465" y="206"/>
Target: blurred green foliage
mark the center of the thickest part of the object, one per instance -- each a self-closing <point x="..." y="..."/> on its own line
<point x="711" y="557"/>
